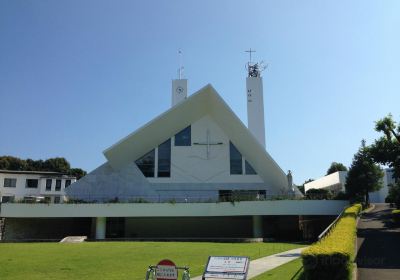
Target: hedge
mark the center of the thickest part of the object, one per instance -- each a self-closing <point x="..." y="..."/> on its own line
<point x="332" y="257"/>
<point x="396" y="216"/>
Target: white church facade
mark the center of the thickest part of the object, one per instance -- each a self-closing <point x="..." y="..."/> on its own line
<point x="197" y="151"/>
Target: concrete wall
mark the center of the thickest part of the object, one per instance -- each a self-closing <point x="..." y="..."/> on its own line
<point x="245" y="208"/>
<point x="334" y="182"/>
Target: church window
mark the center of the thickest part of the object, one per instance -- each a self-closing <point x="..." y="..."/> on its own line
<point x="164" y="159"/>
<point x="249" y="169"/>
<point x="184" y="137"/>
<point x="235" y="158"/>
<point x="146" y="164"/>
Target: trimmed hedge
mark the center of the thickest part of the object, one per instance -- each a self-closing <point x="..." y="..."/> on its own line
<point x="396" y="216"/>
<point x="332" y="257"/>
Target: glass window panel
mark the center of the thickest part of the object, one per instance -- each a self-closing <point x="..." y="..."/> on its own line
<point x="48" y="184"/>
<point x="235" y="158"/>
<point x="146" y="164"/>
<point x="10" y="182"/>
<point x="249" y="169"/>
<point x="32" y="183"/>
<point x="67" y="183"/>
<point x="164" y="159"/>
<point x="184" y="137"/>
<point x="58" y="185"/>
<point x="7" y="198"/>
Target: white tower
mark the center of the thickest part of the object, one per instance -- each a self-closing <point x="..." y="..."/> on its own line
<point x="255" y="100"/>
<point x="179" y="86"/>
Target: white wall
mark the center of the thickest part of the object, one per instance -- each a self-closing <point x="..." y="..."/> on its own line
<point x="189" y="164"/>
<point x="245" y="208"/>
<point x="20" y="191"/>
<point x="335" y="182"/>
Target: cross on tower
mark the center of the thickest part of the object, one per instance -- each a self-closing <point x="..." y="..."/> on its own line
<point x="250" y="51"/>
<point x="208" y="143"/>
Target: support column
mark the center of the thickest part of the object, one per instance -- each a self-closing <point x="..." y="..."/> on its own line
<point x="257" y="227"/>
<point x="100" y="227"/>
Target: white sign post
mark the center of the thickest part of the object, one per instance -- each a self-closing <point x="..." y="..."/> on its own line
<point x="227" y="267"/>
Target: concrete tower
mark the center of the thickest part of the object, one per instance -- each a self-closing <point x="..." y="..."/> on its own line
<point x="255" y="100"/>
<point x="179" y="86"/>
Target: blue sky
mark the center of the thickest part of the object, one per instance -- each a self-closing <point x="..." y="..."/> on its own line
<point x="76" y="76"/>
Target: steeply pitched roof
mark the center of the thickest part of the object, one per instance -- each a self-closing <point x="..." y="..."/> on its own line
<point x="206" y="101"/>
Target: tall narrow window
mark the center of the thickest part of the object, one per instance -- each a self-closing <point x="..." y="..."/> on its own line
<point x="58" y="185"/>
<point x="67" y="183"/>
<point x="146" y="164"/>
<point x="48" y="184"/>
<point x="249" y="169"/>
<point x="164" y="159"/>
<point x="235" y="159"/>
<point x="184" y="137"/>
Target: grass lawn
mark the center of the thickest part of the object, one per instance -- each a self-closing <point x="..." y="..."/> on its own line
<point x="116" y="260"/>
<point x="289" y="271"/>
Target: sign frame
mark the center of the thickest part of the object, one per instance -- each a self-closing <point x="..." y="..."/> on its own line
<point x="233" y="275"/>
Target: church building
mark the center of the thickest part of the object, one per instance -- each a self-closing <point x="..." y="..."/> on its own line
<point x="197" y="151"/>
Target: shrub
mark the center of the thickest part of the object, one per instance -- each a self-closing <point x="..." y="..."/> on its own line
<point x="396" y="216"/>
<point x="332" y="257"/>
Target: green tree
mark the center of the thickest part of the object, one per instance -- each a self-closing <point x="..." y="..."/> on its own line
<point x="364" y="175"/>
<point x="77" y="172"/>
<point x="336" y="166"/>
<point x="386" y="151"/>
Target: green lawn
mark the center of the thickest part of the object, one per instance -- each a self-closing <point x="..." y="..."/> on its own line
<point x="116" y="260"/>
<point x="290" y="271"/>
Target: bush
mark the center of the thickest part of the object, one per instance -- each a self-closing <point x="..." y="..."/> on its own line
<point x="396" y="216"/>
<point x="332" y="257"/>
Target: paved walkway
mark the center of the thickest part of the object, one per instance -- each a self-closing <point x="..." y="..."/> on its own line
<point x="378" y="255"/>
<point x="265" y="264"/>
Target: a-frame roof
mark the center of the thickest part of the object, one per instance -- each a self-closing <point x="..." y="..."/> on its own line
<point x="206" y="101"/>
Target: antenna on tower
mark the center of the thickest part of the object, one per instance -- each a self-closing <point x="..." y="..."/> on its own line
<point x="181" y="68"/>
<point x="255" y="69"/>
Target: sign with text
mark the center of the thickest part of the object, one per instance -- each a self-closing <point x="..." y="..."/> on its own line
<point x="166" y="270"/>
<point x="227" y="267"/>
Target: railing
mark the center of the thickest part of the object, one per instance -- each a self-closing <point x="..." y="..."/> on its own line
<point x="328" y="229"/>
<point x="162" y="198"/>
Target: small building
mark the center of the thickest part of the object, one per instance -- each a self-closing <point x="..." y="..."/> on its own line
<point x="336" y="182"/>
<point x="33" y="186"/>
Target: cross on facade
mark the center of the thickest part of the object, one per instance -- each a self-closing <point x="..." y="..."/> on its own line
<point x="208" y="143"/>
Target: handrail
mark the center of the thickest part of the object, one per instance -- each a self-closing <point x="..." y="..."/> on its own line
<point x="331" y="225"/>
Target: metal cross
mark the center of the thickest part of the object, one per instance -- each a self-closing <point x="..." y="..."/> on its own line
<point x="208" y="143"/>
<point x="250" y="51"/>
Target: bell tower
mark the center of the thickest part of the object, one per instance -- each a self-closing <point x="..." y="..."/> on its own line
<point x="255" y="99"/>
<point x="179" y="86"/>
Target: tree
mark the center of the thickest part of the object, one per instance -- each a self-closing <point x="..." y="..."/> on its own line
<point x="317" y="194"/>
<point x="386" y="151"/>
<point x="364" y="175"/>
<point x="58" y="164"/>
<point x="336" y="166"/>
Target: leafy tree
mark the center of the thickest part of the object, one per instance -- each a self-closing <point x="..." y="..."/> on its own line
<point x="336" y="166"/>
<point x="364" y="175"/>
<point x="58" y="164"/>
<point x="386" y="151"/>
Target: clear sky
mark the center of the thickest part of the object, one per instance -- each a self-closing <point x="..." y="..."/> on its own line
<point x="76" y="76"/>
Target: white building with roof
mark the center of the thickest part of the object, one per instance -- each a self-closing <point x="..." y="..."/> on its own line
<point x="336" y="182"/>
<point x="35" y="186"/>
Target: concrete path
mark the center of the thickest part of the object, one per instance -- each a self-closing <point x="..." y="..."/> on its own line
<point x="378" y="243"/>
<point x="265" y="264"/>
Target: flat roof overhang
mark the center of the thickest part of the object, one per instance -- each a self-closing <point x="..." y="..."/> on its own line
<point x="244" y="208"/>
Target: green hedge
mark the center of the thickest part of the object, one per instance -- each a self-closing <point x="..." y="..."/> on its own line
<point x="396" y="216"/>
<point x="332" y="257"/>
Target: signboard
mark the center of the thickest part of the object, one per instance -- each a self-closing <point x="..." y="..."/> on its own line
<point x="227" y="267"/>
<point x="166" y="270"/>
